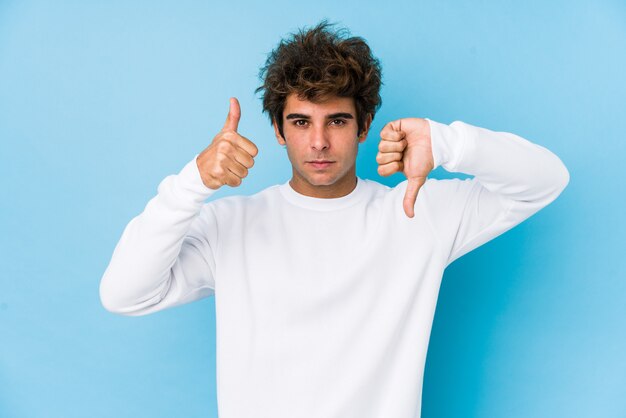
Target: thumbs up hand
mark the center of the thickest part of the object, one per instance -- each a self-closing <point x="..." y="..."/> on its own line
<point x="405" y="146"/>
<point x="227" y="159"/>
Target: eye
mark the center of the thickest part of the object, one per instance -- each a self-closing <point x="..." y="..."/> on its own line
<point x="338" y="122"/>
<point x="300" y="122"/>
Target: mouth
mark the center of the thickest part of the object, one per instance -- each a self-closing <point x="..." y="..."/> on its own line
<point x="319" y="164"/>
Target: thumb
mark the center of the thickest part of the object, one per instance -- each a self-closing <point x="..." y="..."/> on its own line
<point x="234" y="114"/>
<point x="410" y="195"/>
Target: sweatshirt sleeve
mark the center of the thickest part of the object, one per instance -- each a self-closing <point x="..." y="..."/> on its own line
<point x="513" y="179"/>
<point x="165" y="256"/>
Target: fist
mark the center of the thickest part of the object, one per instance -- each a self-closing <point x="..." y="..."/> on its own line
<point x="230" y="155"/>
<point x="405" y="147"/>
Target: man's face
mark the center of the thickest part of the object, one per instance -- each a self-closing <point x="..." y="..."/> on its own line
<point x="322" y="145"/>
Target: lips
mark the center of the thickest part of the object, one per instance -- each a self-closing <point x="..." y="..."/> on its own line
<point x="319" y="164"/>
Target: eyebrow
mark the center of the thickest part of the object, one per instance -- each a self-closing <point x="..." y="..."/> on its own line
<point x="331" y="116"/>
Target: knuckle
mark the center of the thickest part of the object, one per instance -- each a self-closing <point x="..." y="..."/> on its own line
<point x="247" y="161"/>
<point x="218" y="171"/>
<point x="385" y="170"/>
<point x="223" y="146"/>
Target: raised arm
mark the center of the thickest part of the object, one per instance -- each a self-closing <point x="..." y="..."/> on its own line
<point x="513" y="179"/>
<point x="165" y="256"/>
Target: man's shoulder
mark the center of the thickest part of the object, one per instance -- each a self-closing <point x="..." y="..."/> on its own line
<point x="439" y="188"/>
<point x="239" y="200"/>
<point x="375" y="188"/>
<point x="449" y="185"/>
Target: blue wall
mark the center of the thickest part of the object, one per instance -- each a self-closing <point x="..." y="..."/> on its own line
<point x="99" y="102"/>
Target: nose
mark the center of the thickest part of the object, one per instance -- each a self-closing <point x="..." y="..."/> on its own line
<point x="319" y="139"/>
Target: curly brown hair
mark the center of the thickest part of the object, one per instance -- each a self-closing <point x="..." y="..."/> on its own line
<point x="319" y="63"/>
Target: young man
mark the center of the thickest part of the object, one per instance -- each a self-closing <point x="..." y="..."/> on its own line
<point x="325" y="286"/>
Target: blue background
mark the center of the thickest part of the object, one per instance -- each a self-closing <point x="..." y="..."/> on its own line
<point x="99" y="101"/>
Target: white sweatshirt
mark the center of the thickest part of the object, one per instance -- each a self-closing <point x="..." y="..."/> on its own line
<point x="324" y="307"/>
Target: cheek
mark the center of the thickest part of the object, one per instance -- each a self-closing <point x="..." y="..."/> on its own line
<point x="294" y="149"/>
<point x="349" y="146"/>
<point x="294" y="141"/>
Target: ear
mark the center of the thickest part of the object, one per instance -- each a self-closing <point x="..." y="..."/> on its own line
<point x="279" y="138"/>
<point x="366" y="128"/>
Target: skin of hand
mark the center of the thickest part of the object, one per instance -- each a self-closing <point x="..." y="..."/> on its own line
<point x="405" y="147"/>
<point x="230" y="155"/>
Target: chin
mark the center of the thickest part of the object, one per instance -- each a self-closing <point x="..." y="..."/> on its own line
<point x="322" y="182"/>
<point x="325" y="179"/>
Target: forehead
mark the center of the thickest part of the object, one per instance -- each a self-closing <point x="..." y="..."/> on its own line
<point x="334" y="104"/>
